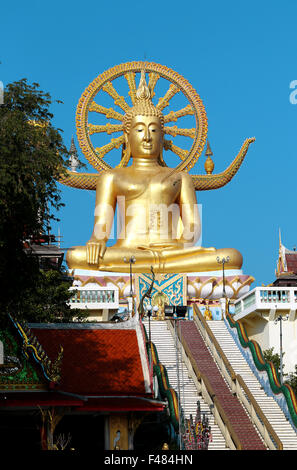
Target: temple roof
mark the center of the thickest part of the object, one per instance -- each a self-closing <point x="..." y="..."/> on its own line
<point x="291" y="260"/>
<point x="287" y="260"/>
<point x="50" y="256"/>
<point x="104" y="367"/>
<point x="98" y="360"/>
<point x="103" y="404"/>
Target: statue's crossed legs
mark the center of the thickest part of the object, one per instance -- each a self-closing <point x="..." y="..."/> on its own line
<point x="163" y="260"/>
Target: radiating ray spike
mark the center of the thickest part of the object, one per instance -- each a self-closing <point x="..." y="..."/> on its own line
<point x="164" y="101"/>
<point x="108" y="128"/>
<point x="153" y="78"/>
<point x="118" y="100"/>
<point x="110" y="113"/>
<point x="114" y="143"/>
<point x="174" y="131"/>
<point x="168" y="145"/>
<point x="130" y="77"/>
<point x="174" y="115"/>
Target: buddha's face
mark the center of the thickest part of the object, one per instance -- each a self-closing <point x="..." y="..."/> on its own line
<point x="145" y="137"/>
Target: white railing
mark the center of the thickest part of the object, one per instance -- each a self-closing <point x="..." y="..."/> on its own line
<point x="267" y="298"/>
<point x="95" y="298"/>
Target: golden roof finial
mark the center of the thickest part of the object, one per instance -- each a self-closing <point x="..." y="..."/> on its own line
<point x="209" y="164"/>
<point x="281" y="262"/>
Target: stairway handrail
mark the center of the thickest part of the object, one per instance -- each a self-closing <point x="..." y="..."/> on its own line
<point x="209" y="395"/>
<point x="166" y="391"/>
<point x="257" y="415"/>
<point x="212" y="340"/>
<point x="262" y="365"/>
<point x="262" y="423"/>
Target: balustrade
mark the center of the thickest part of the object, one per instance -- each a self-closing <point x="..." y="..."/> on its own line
<point x="275" y="296"/>
<point x="93" y="296"/>
<point x="267" y="298"/>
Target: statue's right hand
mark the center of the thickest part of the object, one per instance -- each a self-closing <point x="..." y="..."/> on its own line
<point x="95" y="251"/>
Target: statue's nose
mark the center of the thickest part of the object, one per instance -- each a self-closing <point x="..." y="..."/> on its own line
<point x="147" y="135"/>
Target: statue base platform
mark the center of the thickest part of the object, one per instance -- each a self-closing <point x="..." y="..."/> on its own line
<point x="176" y="289"/>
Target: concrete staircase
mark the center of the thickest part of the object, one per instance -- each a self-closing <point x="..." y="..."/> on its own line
<point x="270" y="408"/>
<point x="165" y="344"/>
<point x="234" y="411"/>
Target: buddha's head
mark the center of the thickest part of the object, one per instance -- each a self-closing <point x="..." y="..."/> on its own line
<point x="144" y="127"/>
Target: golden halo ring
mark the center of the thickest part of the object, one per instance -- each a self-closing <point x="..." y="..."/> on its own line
<point x="103" y="81"/>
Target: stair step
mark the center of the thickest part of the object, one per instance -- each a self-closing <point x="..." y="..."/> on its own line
<point x="165" y="345"/>
<point x="269" y="406"/>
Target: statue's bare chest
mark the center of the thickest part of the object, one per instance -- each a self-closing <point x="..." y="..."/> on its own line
<point x="156" y="188"/>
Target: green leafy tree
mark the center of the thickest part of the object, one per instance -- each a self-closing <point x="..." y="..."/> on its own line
<point x="291" y="378"/>
<point x="47" y="299"/>
<point x="32" y="155"/>
<point x="270" y="356"/>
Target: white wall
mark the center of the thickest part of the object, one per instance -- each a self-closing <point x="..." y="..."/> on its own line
<point x="289" y="342"/>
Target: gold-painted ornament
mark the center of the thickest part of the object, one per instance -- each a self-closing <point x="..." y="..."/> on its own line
<point x="209" y="164"/>
<point x="164" y="240"/>
<point x="178" y="85"/>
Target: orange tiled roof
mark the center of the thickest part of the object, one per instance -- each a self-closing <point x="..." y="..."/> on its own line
<point x="96" y="362"/>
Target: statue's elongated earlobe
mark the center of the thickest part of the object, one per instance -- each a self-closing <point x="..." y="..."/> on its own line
<point x="126" y="153"/>
<point x="160" y="159"/>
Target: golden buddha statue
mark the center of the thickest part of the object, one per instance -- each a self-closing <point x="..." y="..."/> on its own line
<point x="157" y="204"/>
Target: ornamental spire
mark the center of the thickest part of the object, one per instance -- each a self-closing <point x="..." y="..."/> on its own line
<point x="73" y="159"/>
<point x="209" y="164"/>
<point x="143" y="92"/>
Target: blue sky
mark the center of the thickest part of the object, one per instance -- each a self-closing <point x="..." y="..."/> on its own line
<point x="239" y="56"/>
